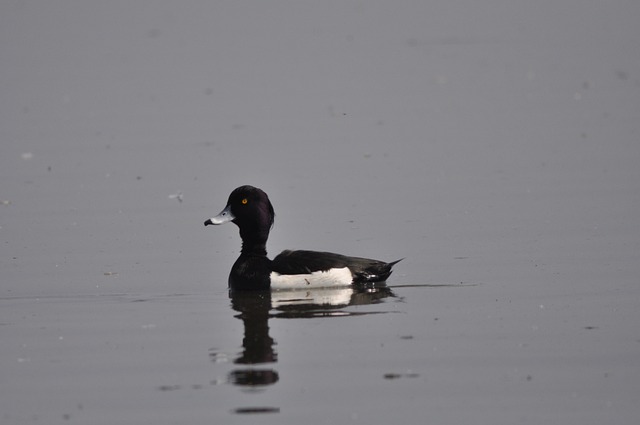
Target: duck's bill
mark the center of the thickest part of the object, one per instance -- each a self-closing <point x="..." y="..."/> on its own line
<point x="224" y="216"/>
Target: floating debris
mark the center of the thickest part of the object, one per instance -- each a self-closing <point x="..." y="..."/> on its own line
<point x="177" y="196"/>
<point x="253" y="410"/>
<point x="169" y="387"/>
<point x="401" y="375"/>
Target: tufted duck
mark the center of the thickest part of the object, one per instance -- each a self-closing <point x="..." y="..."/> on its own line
<point x="250" y="209"/>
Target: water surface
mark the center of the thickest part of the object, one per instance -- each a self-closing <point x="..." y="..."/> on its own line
<point x="493" y="145"/>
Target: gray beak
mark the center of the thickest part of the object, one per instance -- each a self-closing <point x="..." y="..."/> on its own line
<point x="224" y="216"/>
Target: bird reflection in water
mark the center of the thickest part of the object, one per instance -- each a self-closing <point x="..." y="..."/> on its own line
<point x="257" y="344"/>
<point x="256" y="308"/>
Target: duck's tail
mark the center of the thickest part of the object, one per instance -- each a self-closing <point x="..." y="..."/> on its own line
<point x="374" y="271"/>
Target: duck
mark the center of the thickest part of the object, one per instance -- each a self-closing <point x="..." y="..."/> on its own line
<point x="250" y="209"/>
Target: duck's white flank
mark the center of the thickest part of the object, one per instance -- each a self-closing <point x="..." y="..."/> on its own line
<point x="321" y="279"/>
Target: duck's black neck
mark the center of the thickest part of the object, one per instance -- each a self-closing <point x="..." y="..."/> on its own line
<point x="254" y="243"/>
<point x="253" y="249"/>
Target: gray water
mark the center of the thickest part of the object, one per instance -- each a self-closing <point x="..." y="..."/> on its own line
<point x="493" y="144"/>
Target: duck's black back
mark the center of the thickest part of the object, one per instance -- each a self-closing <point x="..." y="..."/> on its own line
<point x="301" y="261"/>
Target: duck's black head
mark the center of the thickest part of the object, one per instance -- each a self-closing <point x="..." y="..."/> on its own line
<point x="250" y="209"/>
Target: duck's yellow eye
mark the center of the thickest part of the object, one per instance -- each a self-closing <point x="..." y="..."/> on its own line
<point x="244" y="201"/>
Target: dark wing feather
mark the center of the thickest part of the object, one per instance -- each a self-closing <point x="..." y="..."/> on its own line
<point x="302" y="262"/>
